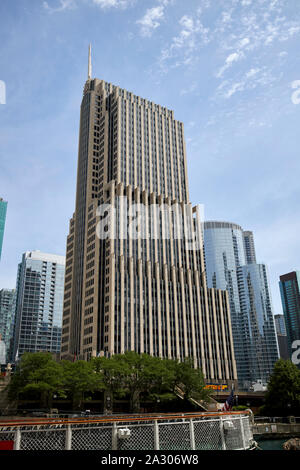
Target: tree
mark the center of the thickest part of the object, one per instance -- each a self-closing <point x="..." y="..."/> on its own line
<point x="134" y="375"/>
<point x="147" y="375"/>
<point x="111" y="373"/>
<point x="80" y="378"/>
<point x="283" y="392"/>
<point x="152" y="378"/>
<point x="188" y="381"/>
<point x="37" y="372"/>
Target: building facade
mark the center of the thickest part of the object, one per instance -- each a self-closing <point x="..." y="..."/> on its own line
<point x="3" y="209"/>
<point x="134" y="280"/>
<point x="249" y="247"/>
<point x="7" y="317"/>
<point x="231" y="264"/>
<point x="290" y="298"/>
<point x="39" y="303"/>
<point x="282" y="337"/>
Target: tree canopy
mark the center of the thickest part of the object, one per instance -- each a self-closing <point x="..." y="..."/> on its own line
<point x="37" y="373"/>
<point x="283" y="392"/>
<point x="132" y="375"/>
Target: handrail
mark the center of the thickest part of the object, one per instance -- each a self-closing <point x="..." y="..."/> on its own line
<point x="130" y="418"/>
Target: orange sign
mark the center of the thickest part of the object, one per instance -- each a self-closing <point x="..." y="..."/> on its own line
<point x="216" y="387"/>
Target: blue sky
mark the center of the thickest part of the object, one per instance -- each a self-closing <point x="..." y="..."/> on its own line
<point x="226" y="67"/>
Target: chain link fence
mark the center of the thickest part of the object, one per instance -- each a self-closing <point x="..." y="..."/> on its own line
<point x="200" y="432"/>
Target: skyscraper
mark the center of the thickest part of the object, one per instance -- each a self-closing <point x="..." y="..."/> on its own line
<point x="3" y="208"/>
<point x="133" y="280"/>
<point x="282" y="337"/>
<point x="231" y="264"/>
<point x="249" y="247"/>
<point x="40" y="286"/>
<point x="7" y="316"/>
<point x="290" y="298"/>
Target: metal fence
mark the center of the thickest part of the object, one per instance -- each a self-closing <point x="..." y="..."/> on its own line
<point x="276" y="419"/>
<point x="205" y="431"/>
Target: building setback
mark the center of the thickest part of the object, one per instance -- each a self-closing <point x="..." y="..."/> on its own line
<point x="231" y="264"/>
<point x="146" y="293"/>
<point x="40" y="286"/>
<point x="7" y="316"/>
<point x="3" y="209"/>
<point x="289" y="286"/>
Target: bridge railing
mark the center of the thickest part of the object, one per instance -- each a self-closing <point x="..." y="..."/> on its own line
<point x="201" y="431"/>
<point x="277" y="419"/>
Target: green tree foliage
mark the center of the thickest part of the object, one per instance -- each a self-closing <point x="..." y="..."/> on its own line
<point x="152" y="378"/>
<point x="79" y="378"/>
<point x="283" y="393"/>
<point x="143" y="374"/>
<point x="136" y="376"/>
<point x="37" y="373"/>
<point x="188" y="381"/>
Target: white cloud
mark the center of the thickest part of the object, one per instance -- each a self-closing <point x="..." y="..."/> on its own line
<point x="244" y="42"/>
<point x="192" y="36"/>
<point x="234" y="57"/>
<point x="252" y="72"/>
<point x="151" y="20"/>
<point x="63" y="5"/>
<point x="105" y="4"/>
<point x="235" y="87"/>
<point x="71" y="4"/>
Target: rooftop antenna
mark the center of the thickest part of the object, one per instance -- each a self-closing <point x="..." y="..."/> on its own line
<point x="90" y="63"/>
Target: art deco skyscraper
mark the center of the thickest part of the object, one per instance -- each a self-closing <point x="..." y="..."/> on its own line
<point x="145" y="293"/>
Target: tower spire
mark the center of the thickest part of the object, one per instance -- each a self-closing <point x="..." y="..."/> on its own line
<point x="90" y="63"/>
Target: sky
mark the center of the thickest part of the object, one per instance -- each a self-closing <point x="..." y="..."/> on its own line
<point x="230" y="70"/>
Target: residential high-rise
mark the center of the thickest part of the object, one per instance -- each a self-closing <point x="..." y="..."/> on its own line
<point x="231" y="264"/>
<point x="39" y="304"/>
<point x="290" y="298"/>
<point x="7" y="316"/>
<point x="3" y="208"/>
<point x="131" y="282"/>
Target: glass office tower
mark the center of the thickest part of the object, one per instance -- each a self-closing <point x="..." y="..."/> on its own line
<point x="290" y="298"/>
<point x="40" y="286"/>
<point x="7" y="316"/>
<point x="230" y="264"/>
<point x="258" y="327"/>
<point x="282" y="337"/>
<point x="3" y="208"/>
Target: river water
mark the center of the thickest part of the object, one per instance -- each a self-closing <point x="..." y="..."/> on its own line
<point x="270" y="444"/>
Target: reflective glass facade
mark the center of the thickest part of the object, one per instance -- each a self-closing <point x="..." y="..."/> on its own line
<point x="229" y="258"/>
<point x="7" y="316"/>
<point x="3" y="208"/>
<point x="258" y="328"/>
<point x="282" y="337"/>
<point x="280" y="325"/>
<point x="40" y="285"/>
<point x="290" y="297"/>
